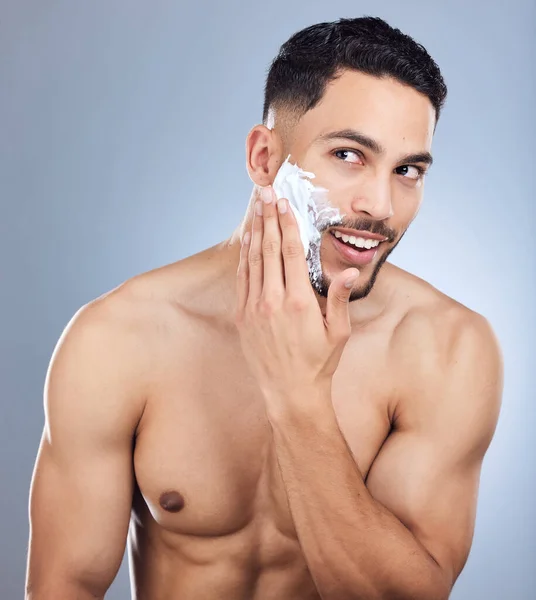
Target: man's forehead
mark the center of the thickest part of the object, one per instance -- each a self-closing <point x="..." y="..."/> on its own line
<point x="381" y="108"/>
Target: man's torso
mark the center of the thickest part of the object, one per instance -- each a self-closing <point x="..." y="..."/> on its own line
<point x="210" y="516"/>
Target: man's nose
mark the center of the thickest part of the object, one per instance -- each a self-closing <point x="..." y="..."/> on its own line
<point x="374" y="198"/>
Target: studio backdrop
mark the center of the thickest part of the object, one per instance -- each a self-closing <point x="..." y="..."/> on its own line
<point x="122" y="130"/>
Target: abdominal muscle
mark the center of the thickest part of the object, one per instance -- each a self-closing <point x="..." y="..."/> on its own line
<point x="256" y="562"/>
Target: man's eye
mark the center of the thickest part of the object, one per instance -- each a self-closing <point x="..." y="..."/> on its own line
<point x="345" y="154"/>
<point x="410" y="171"/>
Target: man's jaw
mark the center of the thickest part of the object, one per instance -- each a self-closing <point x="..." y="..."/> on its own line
<point x="333" y="262"/>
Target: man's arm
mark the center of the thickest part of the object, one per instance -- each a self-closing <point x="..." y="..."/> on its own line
<point x="407" y="535"/>
<point x="81" y="491"/>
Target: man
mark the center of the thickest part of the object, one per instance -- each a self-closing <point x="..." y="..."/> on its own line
<point x="259" y="437"/>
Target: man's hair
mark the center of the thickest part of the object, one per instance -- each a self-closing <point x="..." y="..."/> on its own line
<point x="318" y="54"/>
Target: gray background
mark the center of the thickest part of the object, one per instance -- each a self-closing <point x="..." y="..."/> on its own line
<point x="122" y="149"/>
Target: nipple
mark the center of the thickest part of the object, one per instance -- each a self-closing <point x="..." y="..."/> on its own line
<point x="172" y="501"/>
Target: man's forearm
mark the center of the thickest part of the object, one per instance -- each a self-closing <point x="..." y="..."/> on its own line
<point x="354" y="547"/>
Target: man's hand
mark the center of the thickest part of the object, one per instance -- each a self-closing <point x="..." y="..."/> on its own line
<point x="287" y="342"/>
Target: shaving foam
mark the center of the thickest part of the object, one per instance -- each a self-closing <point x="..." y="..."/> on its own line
<point x="312" y="210"/>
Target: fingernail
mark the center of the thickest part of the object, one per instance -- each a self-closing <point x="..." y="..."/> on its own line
<point x="266" y="194"/>
<point x="258" y="208"/>
<point x="282" y="206"/>
<point x="350" y="282"/>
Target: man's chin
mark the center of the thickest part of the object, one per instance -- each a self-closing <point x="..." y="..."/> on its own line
<point x="365" y="282"/>
<point x="360" y="290"/>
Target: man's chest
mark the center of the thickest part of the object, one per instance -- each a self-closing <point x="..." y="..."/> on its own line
<point x="205" y="435"/>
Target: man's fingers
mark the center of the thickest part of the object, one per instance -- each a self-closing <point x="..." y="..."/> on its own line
<point x="242" y="276"/>
<point x="255" y="255"/>
<point x="273" y="284"/>
<point x="337" y="314"/>
<point x="296" y="269"/>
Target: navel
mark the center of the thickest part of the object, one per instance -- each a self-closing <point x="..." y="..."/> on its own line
<point x="172" y="501"/>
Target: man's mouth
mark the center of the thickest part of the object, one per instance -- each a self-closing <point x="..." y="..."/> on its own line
<point x="358" y="248"/>
<point x="365" y="241"/>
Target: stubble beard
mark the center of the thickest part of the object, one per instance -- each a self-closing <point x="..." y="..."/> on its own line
<point x="321" y="285"/>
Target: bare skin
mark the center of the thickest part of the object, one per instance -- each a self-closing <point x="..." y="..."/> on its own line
<point x="155" y="427"/>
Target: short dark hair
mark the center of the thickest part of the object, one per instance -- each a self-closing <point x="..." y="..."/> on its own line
<point x="316" y="55"/>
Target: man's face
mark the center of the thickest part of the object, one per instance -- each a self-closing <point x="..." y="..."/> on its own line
<point x="366" y="142"/>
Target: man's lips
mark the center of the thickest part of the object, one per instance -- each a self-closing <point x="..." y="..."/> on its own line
<point x="359" y="258"/>
<point x="362" y="234"/>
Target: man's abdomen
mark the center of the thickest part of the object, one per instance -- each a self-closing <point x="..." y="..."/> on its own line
<point x="256" y="563"/>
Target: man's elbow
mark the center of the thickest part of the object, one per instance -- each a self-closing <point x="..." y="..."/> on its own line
<point x="432" y="584"/>
<point x="428" y="582"/>
<point x="53" y="590"/>
<point x="62" y="592"/>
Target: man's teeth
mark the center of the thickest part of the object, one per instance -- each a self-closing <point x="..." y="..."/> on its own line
<point x="357" y="242"/>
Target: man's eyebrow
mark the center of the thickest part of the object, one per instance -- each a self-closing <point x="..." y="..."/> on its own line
<point x="368" y="142"/>
<point x="353" y="136"/>
<point x="422" y="157"/>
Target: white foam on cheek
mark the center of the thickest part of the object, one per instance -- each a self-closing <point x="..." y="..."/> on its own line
<point x="311" y="208"/>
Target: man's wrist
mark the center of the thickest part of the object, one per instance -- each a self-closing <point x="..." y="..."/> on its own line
<point x="298" y="401"/>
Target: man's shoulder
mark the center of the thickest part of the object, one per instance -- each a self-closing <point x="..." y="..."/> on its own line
<point x="102" y="360"/>
<point x="436" y="326"/>
<point x="115" y="347"/>
<point x="447" y="361"/>
<point x="424" y="305"/>
<point x="152" y="309"/>
<point x="140" y="308"/>
<point x="444" y="352"/>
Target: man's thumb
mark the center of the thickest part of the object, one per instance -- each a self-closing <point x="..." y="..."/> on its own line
<point x="338" y="295"/>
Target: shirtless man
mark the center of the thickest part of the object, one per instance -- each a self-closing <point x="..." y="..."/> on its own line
<point x="257" y="438"/>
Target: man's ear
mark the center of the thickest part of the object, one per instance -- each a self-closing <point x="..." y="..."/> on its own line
<point x="264" y="154"/>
